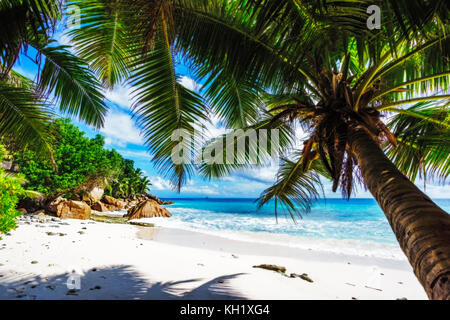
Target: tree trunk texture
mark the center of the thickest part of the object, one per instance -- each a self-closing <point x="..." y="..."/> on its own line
<point x="421" y="227"/>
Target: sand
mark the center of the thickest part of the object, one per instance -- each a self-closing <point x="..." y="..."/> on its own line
<point x="74" y="259"/>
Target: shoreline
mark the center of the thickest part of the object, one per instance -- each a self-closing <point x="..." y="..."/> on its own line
<point x="215" y="242"/>
<point x="117" y="261"/>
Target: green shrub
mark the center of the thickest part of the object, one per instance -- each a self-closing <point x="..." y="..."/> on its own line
<point x="10" y="191"/>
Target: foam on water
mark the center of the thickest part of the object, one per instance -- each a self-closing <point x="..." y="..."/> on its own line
<point x="357" y="227"/>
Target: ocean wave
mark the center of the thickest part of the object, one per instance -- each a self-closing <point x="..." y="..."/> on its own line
<point x="362" y="238"/>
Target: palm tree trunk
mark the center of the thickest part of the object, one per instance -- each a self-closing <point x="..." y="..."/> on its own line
<point x="421" y="227"/>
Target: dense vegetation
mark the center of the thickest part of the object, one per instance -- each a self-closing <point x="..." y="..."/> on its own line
<point x="79" y="164"/>
<point x="10" y="191"/>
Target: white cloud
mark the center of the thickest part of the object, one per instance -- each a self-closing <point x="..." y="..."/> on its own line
<point x="120" y="129"/>
<point x="121" y="95"/>
<point x="436" y="191"/>
<point x="207" y="190"/>
<point x="136" y="154"/>
<point x="189" y="83"/>
<point x="159" y="183"/>
<point x="62" y="38"/>
<point x="263" y="174"/>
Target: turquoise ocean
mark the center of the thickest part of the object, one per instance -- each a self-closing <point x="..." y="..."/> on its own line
<point x="355" y="226"/>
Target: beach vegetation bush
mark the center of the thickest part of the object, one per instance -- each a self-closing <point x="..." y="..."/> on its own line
<point x="10" y="192"/>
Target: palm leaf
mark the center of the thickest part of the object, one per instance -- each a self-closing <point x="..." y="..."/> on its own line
<point x="102" y="38"/>
<point x="74" y="86"/>
<point x="24" y="118"/>
<point x="162" y="106"/>
<point x="254" y="155"/>
<point x="424" y="144"/>
<point x="295" y="188"/>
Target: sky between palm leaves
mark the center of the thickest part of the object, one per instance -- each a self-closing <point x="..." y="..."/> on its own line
<point x="122" y="134"/>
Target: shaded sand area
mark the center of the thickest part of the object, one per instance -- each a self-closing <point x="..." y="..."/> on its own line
<point x="119" y="261"/>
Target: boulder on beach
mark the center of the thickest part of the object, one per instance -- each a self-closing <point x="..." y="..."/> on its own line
<point x="53" y="206"/>
<point x="119" y="204"/>
<point x="92" y="195"/>
<point x="147" y="209"/>
<point x="100" y="207"/>
<point x="149" y="196"/>
<point x="96" y="193"/>
<point x="73" y="210"/>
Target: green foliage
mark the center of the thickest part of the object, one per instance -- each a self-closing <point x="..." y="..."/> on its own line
<point x="10" y="191"/>
<point x="79" y="162"/>
<point x="129" y="181"/>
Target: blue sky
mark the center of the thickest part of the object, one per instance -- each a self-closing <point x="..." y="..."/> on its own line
<point x="122" y="134"/>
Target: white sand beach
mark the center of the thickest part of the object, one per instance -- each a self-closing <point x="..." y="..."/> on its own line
<point x="117" y="261"/>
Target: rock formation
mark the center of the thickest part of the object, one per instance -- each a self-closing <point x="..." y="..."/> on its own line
<point x="119" y="204"/>
<point x="147" y="209"/>
<point x="73" y="210"/>
<point x="100" y="207"/>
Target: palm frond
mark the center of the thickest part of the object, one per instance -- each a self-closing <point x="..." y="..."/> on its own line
<point x="22" y="20"/>
<point x="162" y="106"/>
<point x="423" y="136"/>
<point x="24" y="118"/>
<point x="296" y="189"/>
<point x="102" y="38"/>
<point x="73" y="84"/>
<point x="227" y="155"/>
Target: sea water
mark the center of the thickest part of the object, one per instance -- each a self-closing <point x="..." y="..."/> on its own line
<point x="357" y="226"/>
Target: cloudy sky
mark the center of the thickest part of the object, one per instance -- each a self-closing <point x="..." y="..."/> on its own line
<point x="122" y="134"/>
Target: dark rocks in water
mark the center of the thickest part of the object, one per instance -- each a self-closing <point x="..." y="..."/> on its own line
<point x="147" y="209"/>
<point x="303" y="276"/>
<point x="271" y="267"/>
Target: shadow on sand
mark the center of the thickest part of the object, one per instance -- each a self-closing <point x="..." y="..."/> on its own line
<point x="114" y="282"/>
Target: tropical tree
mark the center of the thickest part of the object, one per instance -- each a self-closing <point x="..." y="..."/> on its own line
<point x="26" y="28"/>
<point x="314" y="64"/>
